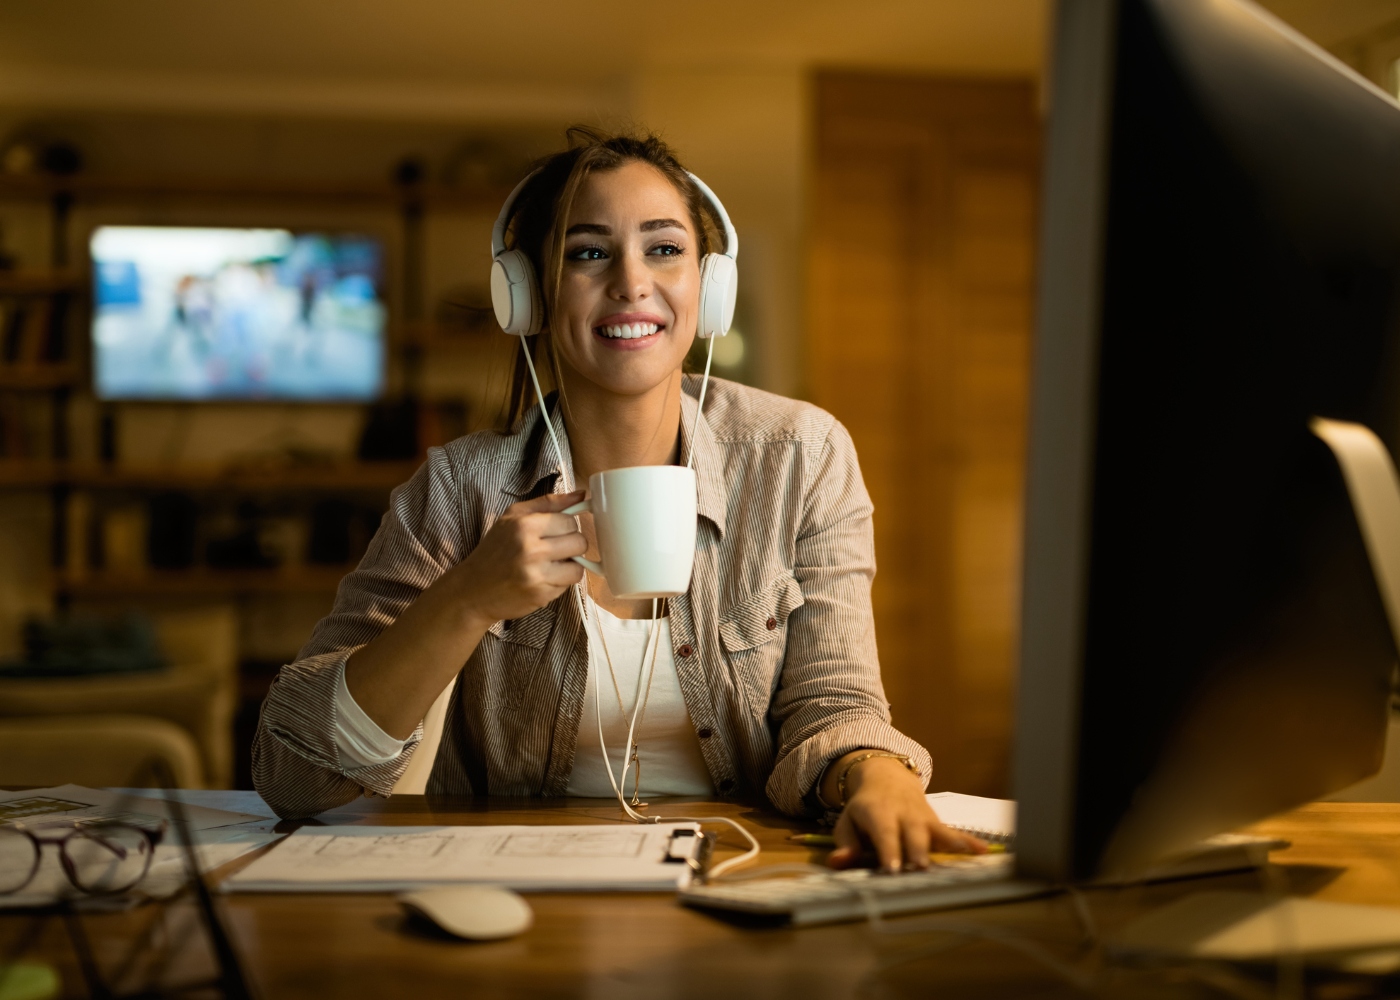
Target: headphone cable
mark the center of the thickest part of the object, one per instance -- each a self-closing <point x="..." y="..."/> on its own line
<point x="567" y="473"/>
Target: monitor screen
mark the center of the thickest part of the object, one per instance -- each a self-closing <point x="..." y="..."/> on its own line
<point x="231" y="314"/>
<point x="1203" y="639"/>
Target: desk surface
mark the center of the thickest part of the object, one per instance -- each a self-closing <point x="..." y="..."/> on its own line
<point x="646" y="945"/>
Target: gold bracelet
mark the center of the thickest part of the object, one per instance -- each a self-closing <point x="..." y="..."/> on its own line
<point x="841" y="778"/>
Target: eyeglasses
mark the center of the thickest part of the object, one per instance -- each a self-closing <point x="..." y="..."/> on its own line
<point x="99" y="858"/>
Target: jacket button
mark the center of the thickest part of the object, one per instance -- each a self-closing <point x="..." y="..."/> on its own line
<point x="772" y="623"/>
<point x="726" y="784"/>
<point x="685" y="651"/>
<point x="705" y="733"/>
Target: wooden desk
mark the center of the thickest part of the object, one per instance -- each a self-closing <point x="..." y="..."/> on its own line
<point x="647" y="946"/>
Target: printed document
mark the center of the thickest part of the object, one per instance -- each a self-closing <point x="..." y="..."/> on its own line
<point x="74" y="803"/>
<point x="538" y="858"/>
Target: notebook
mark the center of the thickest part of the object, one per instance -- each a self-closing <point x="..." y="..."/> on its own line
<point x="993" y="820"/>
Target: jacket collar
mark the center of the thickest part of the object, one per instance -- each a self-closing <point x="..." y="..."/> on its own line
<point x="709" y="462"/>
<point x="540" y="471"/>
<point x="538" y="462"/>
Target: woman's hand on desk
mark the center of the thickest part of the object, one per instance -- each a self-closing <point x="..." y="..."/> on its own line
<point x="886" y="811"/>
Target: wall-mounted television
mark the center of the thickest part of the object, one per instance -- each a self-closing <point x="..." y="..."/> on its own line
<point x="182" y="313"/>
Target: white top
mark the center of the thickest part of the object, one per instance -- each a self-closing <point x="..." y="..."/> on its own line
<point x="359" y="737"/>
<point x="668" y="747"/>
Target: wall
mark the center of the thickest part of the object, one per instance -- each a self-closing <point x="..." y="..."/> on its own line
<point x="742" y="130"/>
<point x="745" y="133"/>
<point x="922" y="257"/>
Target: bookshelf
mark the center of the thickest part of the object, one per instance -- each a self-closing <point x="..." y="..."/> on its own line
<point x="44" y="366"/>
<point x="96" y="187"/>
<point x="41" y="377"/>
<point x="362" y="476"/>
<point x="106" y="508"/>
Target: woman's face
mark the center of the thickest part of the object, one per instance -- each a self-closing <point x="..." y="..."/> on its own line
<point x="630" y="288"/>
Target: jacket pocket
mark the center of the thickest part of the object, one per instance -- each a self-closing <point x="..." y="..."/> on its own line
<point x="512" y="656"/>
<point x="533" y="630"/>
<point x="754" y="635"/>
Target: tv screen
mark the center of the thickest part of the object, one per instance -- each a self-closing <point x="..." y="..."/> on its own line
<point x="191" y="314"/>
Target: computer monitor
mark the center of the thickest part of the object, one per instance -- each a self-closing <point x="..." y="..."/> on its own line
<point x="183" y="313"/>
<point x="1203" y="640"/>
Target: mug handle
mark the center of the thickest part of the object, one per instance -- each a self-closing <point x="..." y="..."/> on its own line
<point x="589" y="564"/>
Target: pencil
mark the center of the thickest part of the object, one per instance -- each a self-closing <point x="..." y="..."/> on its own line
<point x="827" y="840"/>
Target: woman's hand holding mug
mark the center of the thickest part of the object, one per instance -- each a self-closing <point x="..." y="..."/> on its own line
<point x="524" y="561"/>
<point x="521" y="564"/>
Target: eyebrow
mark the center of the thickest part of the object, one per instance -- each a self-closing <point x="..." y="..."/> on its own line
<point x="598" y="229"/>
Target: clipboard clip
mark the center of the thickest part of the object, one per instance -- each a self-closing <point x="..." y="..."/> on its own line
<point x="693" y="848"/>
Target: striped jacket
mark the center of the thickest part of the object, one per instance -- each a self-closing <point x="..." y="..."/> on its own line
<point x="774" y="642"/>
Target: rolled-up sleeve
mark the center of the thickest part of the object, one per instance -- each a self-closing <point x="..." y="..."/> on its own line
<point x="830" y="699"/>
<point x="298" y="767"/>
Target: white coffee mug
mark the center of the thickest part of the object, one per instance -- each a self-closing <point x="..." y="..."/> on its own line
<point x="645" y="519"/>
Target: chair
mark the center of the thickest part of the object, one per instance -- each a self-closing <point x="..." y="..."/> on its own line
<point x="98" y="731"/>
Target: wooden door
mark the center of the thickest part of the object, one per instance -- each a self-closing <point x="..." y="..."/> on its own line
<point x="920" y="305"/>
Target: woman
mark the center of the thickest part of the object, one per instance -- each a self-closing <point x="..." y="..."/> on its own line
<point x="765" y="678"/>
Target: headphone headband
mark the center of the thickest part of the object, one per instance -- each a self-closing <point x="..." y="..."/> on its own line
<point x="498" y="231"/>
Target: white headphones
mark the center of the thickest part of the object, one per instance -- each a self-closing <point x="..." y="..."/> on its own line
<point x="515" y="292"/>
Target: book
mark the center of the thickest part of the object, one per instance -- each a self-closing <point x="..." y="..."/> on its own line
<point x="34" y="336"/>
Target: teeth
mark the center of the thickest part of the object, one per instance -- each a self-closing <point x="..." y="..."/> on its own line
<point x="629" y="331"/>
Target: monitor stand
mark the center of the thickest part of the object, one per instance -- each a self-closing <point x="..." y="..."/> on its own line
<point x="1242" y="926"/>
<point x="1253" y="927"/>
<point x="1374" y="488"/>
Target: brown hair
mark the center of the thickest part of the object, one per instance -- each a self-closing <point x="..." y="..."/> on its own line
<point x="539" y="219"/>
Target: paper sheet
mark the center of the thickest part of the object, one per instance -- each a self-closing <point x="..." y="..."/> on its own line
<point x="221" y="837"/>
<point x="397" y="858"/>
<point x="990" y="819"/>
<point x="71" y="802"/>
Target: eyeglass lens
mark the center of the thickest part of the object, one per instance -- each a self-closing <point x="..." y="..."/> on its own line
<point x="106" y="858"/>
<point x="19" y="857"/>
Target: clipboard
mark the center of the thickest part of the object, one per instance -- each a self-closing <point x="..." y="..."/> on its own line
<point x="585" y="858"/>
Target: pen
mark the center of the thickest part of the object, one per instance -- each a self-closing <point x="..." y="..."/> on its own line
<point x="827" y="840"/>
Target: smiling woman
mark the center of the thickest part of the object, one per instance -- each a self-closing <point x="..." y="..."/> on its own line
<point x="762" y="677"/>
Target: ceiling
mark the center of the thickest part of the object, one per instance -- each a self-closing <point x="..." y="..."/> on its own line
<point x="463" y="59"/>
<point x="448" y="56"/>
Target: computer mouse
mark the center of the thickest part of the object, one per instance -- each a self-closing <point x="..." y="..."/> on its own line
<point x="474" y="912"/>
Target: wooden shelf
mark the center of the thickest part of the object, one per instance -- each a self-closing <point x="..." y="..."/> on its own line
<point x="40" y="187"/>
<point x="205" y="582"/>
<point x="36" y="282"/>
<point x="40" y="378"/>
<point x="347" y="476"/>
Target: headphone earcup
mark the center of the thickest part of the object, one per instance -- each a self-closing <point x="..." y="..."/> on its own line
<point x="515" y="294"/>
<point x="719" y="288"/>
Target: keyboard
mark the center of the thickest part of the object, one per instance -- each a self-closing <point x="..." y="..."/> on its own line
<point x="826" y="899"/>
